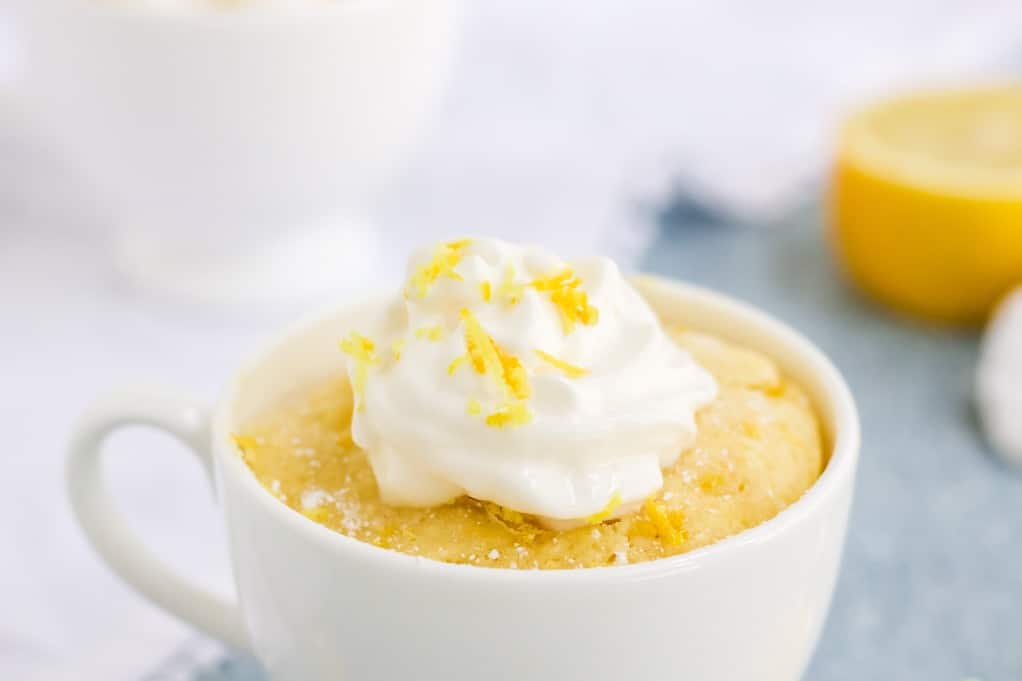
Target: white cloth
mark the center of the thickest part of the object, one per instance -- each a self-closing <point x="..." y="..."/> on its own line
<point x="565" y="117"/>
<point x="565" y="120"/>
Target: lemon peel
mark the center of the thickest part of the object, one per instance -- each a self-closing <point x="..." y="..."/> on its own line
<point x="510" y="414"/>
<point x="509" y="291"/>
<point x="572" y="303"/>
<point x="569" y="370"/>
<point x="396" y="347"/>
<point x="455" y="363"/>
<point x="503" y="368"/>
<point x="612" y="505"/>
<point x="430" y="333"/>
<point x="363" y="351"/>
<point x="446" y="257"/>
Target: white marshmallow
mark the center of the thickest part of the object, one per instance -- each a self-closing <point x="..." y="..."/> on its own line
<point x="999" y="379"/>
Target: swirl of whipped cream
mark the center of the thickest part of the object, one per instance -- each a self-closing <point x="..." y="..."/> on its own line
<point x="514" y="377"/>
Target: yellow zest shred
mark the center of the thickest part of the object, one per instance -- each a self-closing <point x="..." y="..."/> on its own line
<point x="490" y="359"/>
<point x="506" y="371"/>
<point x="563" y="279"/>
<point x="363" y="351"/>
<point x="486" y="291"/>
<point x="431" y="333"/>
<point x="669" y="524"/>
<point x="445" y="258"/>
<point x="396" y="347"/>
<point x="473" y="408"/>
<point x="246" y="443"/>
<point x="509" y="291"/>
<point x="570" y="370"/>
<point x="612" y="505"/>
<point x="571" y="301"/>
<point x="515" y="377"/>
<point x="482" y="351"/>
<point x="510" y="414"/>
<point x="455" y="363"/>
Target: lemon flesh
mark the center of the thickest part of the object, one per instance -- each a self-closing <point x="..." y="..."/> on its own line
<point x="927" y="201"/>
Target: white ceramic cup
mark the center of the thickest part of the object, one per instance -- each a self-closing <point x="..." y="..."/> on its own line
<point x="314" y="605"/>
<point x="237" y="151"/>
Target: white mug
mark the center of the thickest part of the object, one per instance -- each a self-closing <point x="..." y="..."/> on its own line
<point x="315" y="605"/>
<point x="239" y="150"/>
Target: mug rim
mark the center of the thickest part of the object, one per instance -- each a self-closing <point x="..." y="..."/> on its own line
<point x="844" y="445"/>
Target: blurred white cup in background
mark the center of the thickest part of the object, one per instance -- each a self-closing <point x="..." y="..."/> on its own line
<point x="237" y="151"/>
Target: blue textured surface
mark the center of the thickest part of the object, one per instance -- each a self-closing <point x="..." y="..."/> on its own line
<point x="931" y="588"/>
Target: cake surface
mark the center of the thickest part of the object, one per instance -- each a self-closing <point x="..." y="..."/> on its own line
<point x="758" y="449"/>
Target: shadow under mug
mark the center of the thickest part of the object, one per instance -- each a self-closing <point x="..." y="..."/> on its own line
<point x="315" y="605"/>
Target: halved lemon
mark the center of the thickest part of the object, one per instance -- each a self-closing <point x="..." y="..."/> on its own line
<point x="927" y="201"/>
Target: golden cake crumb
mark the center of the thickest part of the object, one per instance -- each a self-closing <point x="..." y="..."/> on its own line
<point x="668" y="524"/>
<point x="757" y="450"/>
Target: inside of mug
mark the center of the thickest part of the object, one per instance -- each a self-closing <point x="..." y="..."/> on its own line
<point x="305" y="355"/>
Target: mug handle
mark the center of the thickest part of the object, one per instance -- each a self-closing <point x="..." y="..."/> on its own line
<point x="106" y="529"/>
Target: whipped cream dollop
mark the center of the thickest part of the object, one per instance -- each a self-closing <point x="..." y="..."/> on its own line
<point x="512" y="376"/>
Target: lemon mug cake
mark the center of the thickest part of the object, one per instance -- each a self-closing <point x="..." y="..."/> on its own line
<point x="519" y="411"/>
<point x="513" y="468"/>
